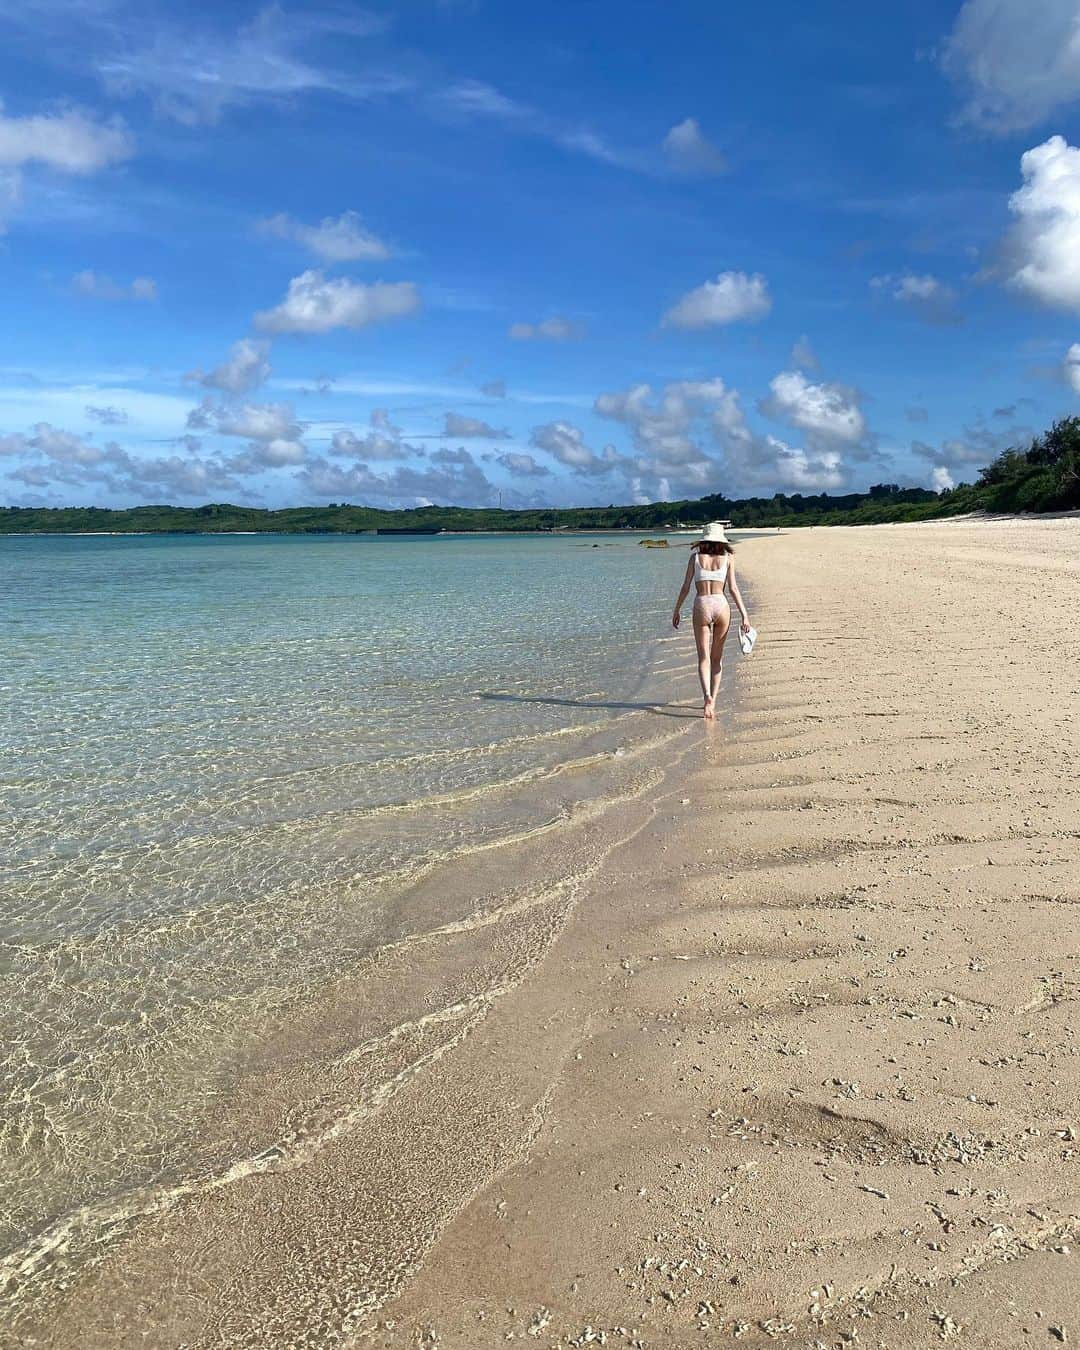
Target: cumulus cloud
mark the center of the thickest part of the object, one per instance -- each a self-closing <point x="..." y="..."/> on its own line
<point x="448" y="478"/>
<point x="829" y="414"/>
<point x="69" y="142"/>
<point x="254" y="421"/>
<point x="100" y="287"/>
<point x="455" y="426"/>
<point x="1071" y="368"/>
<point x="689" y="150"/>
<point x="64" y="447"/>
<point x="517" y="462"/>
<point x="275" y="435"/>
<point x="959" y="458"/>
<point x="246" y="367"/>
<point x="108" y="416"/>
<point x="1041" y="252"/>
<point x="928" y="297"/>
<point x="556" y="329"/>
<point x="752" y="460"/>
<point x="335" y="239"/>
<point x="382" y="440"/>
<point x="941" y="480"/>
<point x="733" y="297"/>
<point x="566" y="443"/>
<point x="678" y="431"/>
<point x="314" y="304"/>
<point x="661" y="426"/>
<point x="58" y="457"/>
<point x="1018" y="61"/>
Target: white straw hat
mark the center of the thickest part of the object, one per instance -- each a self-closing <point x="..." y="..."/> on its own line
<point x="714" y="534"/>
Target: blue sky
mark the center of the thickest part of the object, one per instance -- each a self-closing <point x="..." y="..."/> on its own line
<point x="468" y="252"/>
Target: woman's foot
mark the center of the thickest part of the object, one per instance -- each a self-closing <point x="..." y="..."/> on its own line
<point x="709" y="712"/>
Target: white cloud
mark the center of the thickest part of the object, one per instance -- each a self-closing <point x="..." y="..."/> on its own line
<point x="1071" y="367"/>
<point x="733" y="297"/>
<point x="314" y="304"/>
<point x="824" y="411"/>
<point x="64" y="446"/>
<point x="958" y="458"/>
<point x="517" y="462"/>
<point x="382" y="440"/>
<point x="276" y="436"/>
<point x="474" y="99"/>
<point x="70" y="142"/>
<point x="57" y="456"/>
<point x="1019" y="59"/>
<point x="100" y="287"/>
<point x="258" y="421"/>
<point x="566" y="443"/>
<point x="279" y="450"/>
<point x="1041" y="253"/>
<point x="194" y="73"/>
<point x="803" y="356"/>
<point x="667" y="430"/>
<point x="689" y="151"/>
<point x="941" y="480"/>
<point x="335" y="239"/>
<point x="756" y="461"/>
<point x="926" y="296"/>
<point x="801" y="470"/>
<point x="449" y="478"/>
<point x="246" y="367"/>
<point x="455" y="425"/>
<point x="592" y="144"/>
<point x="556" y="329"/>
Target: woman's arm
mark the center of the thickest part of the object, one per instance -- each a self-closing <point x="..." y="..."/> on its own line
<point x="683" y="593"/>
<point x="736" y="595"/>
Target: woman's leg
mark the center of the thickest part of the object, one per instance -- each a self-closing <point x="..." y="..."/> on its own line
<point x="716" y="656"/>
<point x="703" y="638"/>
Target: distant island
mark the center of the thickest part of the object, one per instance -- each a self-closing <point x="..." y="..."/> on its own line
<point x="1043" y="477"/>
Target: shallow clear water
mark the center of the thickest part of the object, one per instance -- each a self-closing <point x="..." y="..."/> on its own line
<point x="221" y="755"/>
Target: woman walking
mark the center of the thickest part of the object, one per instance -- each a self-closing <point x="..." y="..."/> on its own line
<point x="711" y="613"/>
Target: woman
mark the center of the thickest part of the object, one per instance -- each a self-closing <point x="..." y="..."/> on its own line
<point x="712" y="614"/>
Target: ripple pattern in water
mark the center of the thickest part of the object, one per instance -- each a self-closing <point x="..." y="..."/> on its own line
<point x="222" y="754"/>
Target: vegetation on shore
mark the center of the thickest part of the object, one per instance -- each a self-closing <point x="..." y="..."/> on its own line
<point x="1044" y="477"/>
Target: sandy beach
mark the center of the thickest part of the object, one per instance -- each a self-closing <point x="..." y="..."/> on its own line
<point x="780" y="1048"/>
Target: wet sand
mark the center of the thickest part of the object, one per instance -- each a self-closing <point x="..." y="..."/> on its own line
<point x="807" y="1052"/>
<point x="782" y="1046"/>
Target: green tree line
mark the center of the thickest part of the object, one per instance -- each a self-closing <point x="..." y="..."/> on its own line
<point x="1043" y="477"/>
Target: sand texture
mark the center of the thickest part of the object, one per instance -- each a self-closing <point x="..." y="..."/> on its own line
<point x="824" y="1087"/>
<point x="780" y="1049"/>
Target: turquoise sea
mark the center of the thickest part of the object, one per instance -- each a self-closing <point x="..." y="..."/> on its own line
<point x="223" y="759"/>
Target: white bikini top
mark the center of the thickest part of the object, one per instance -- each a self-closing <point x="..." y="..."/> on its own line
<point x="709" y="574"/>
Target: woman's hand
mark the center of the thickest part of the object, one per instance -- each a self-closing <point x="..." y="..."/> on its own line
<point x="744" y="627"/>
<point x="675" y="619"/>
